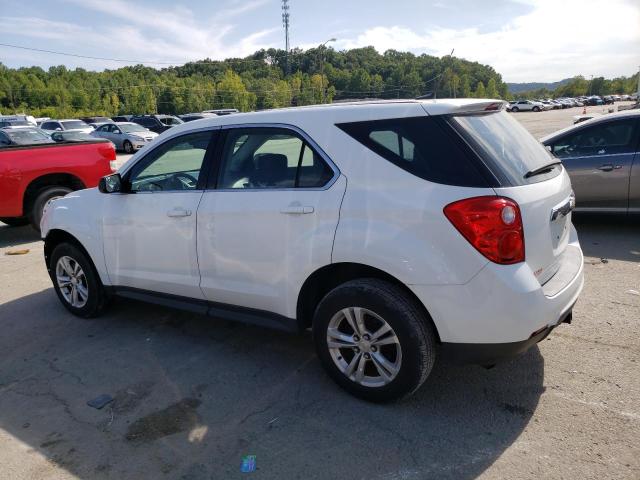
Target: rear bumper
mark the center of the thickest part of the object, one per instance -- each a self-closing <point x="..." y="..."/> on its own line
<point x="503" y="307"/>
<point x="492" y="353"/>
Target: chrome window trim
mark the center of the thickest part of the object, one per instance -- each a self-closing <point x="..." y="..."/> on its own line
<point x="597" y="156"/>
<point x="305" y="136"/>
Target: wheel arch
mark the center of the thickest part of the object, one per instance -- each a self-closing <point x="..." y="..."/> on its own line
<point x="326" y="278"/>
<point x="55" y="237"/>
<point x="49" y="180"/>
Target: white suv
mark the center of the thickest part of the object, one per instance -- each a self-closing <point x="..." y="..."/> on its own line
<point x="396" y="231"/>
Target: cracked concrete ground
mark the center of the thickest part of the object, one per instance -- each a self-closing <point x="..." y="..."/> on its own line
<point x="192" y="395"/>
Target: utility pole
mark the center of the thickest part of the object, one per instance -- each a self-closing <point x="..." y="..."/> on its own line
<point x="638" y="92"/>
<point x="322" y="47"/>
<point x="590" y="83"/>
<point x="285" y="24"/>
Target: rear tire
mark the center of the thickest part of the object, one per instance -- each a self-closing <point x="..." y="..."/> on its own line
<point x="397" y="362"/>
<point x="44" y="196"/>
<point x="70" y="268"/>
<point x="128" y="147"/>
<point x="15" y="221"/>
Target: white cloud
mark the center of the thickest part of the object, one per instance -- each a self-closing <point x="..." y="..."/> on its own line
<point x="131" y="31"/>
<point x="557" y="39"/>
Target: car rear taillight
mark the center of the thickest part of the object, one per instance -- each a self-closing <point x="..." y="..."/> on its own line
<point x="493" y="225"/>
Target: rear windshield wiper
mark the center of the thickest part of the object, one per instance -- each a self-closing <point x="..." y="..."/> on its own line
<point x="544" y="169"/>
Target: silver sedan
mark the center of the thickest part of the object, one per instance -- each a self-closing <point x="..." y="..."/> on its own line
<point x="125" y="136"/>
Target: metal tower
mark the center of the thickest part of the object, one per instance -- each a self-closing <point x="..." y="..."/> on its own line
<point x="285" y="24"/>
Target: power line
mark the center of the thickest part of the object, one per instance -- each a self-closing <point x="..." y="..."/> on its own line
<point x="123" y="60"/>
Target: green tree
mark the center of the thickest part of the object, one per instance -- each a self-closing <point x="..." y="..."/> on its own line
<point x="480" y="92"/>
<point x="492" y="89"/>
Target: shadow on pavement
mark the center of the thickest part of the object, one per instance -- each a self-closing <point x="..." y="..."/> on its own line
<point x="609" y="236"/>
<point x="194" y="395"/>
<point x="15" y="236"/>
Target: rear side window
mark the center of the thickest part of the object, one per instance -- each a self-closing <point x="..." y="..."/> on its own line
<point x="423" y="146"/>
<point x="270" y="158"/>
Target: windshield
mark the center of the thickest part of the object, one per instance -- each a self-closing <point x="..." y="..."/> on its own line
<point x="171" y="121"/>
<point x="74" y="125"/>
<point x="132" y="128"/>
<point x="507" y="148"/>
<point x="26" y="136"/>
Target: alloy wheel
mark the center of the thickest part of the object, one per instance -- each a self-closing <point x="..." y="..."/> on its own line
<point x="72" y="282"/>
<point x="364" y="347"/>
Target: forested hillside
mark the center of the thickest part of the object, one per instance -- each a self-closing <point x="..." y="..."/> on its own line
<point x="256" y="82"/>
<point x="578" y="86"/>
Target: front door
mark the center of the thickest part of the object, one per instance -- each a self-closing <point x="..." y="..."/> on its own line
<point x="270" y="221"/>
<point x="150" y="232"/>
<point x="598" y="159"/>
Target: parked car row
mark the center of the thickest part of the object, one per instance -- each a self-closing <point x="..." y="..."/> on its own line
<point x="540" y="105"/>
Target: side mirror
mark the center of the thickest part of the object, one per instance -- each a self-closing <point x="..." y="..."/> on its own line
<point x="58" y="129"/>
<point x="110" y="183"/>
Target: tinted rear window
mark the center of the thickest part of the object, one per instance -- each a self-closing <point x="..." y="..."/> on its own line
<point x="423" y="146"/>
<point x="505" y="146"/>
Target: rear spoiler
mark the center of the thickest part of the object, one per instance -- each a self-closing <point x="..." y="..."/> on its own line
<point x="463" y="106"/>
<point x="481" y="107"/>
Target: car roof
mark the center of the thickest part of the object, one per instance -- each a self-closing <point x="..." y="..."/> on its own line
<point x="592" y="121"/>
<point x="126" y="123"/>
<point x="349" y="111"/>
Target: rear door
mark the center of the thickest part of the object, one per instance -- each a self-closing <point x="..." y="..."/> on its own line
<point x="270" y="219"/>
<point x="598" y="159"/>
<point x="634" y="180"/>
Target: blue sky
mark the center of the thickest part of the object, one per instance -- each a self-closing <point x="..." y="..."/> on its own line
<point x="524" y="40"/>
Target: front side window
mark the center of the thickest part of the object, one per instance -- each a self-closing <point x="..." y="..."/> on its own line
<point x="606" y="138"/>
<point x="174" y="166"/>
<point x="260" y="158"/>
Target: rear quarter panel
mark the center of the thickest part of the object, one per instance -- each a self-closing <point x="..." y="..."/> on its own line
<point x="22" y="165"/>
<point x="394" y="221"/>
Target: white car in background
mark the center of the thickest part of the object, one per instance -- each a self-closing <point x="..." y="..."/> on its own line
<point x="68" y="124"/>
<point x="526" y="106"/>
<point x="395" y="230"/>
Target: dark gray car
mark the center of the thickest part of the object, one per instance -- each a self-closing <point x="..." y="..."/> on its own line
<point x="602" y="158"/>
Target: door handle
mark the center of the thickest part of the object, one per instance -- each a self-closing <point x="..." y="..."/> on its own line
<point x="297" y="210"/>
<point x="179" y="212"/>
<point x="606" y="167"/>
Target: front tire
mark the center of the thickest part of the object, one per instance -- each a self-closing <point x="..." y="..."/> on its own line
<point x="128" y="147"/>
<point x="45" y="196"/>
<point x="515" y="109"/>
<point x="15" y="221"/>
<point x="536" y="109"/>
<point x="76" y="281"/>
<point x="374" y="340"/>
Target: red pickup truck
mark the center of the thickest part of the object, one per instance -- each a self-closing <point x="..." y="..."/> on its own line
<point x="32" y="175"/>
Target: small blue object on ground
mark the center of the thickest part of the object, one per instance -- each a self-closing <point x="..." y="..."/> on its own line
<point x="248" y="464"/>
<point x="100" y="401"/>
